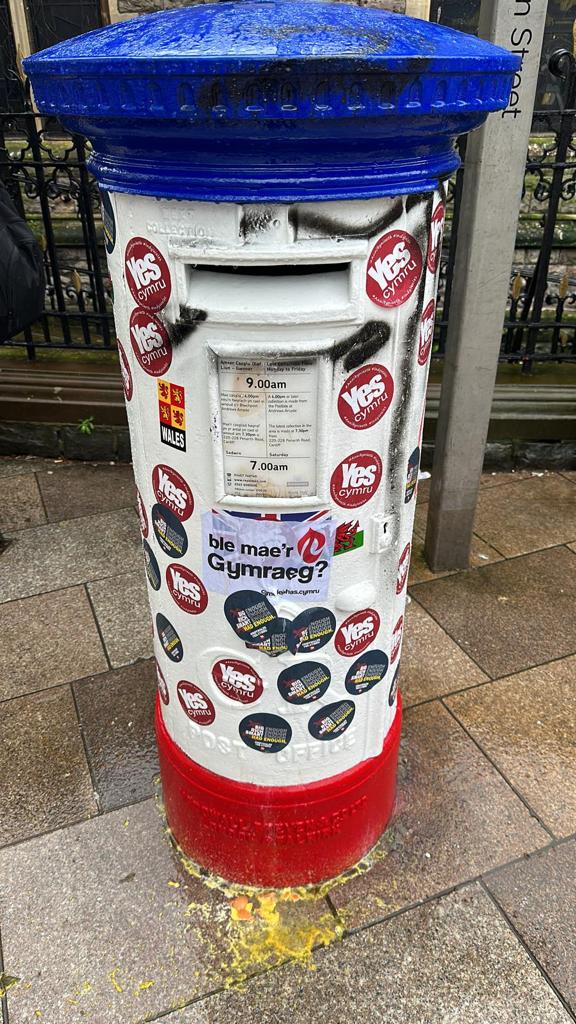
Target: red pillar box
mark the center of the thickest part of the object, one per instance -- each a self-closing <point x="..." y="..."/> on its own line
<point x="271" y="178"/>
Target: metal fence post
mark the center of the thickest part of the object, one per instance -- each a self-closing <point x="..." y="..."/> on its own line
<point x="495" y="162"/>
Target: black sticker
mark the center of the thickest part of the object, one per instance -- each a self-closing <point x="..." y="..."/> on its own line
<point x="277" y="639"/>
<point x="393" y="688"/>
<point x="169" y="531"/>
<point x="152" y="567"/>
<point x="251" y="615"/>
<point x="169" y="638"/>
<point x="304" y="683"/>
<point x="108" y="221"/>
<point x="267" y="733"/>
<point x="311" y="630"/>
<point x="329" y="722"/>
<point x="366" y="672"/>
<point x="412" y="475"/>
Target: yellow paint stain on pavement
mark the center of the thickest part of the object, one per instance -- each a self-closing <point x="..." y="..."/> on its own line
<point x="273" y="936"/>
<point x="84" y="990"/>
<point x="7" y="981"/>
<point x="263" y="930"/>
<point x="113" y="978"/>
<point x="239" y="931"/>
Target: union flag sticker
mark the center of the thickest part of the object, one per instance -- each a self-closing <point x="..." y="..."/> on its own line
<point x="172" y="413"/>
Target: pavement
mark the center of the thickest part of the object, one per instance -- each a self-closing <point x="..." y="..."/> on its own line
<point x="466" y="912"/>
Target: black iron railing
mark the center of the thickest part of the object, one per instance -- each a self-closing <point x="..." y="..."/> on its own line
<point x="45" y="172"/>
<point x="554" y="168"/>
<point x="44" y="169"/>
<point x="540" y="322"/>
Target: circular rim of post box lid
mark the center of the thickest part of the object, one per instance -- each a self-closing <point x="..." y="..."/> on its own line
<point x="277" y="836"/>
<point x="272" y="100"/>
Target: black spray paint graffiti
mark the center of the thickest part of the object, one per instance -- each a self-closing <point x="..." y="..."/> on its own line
<point x="361" y="346"/>
<point x="404" y="415"/>
<point x="188" y="320"/>
<point x="414" y="199"/>
<point x="323" y="226"/>
<point x="372" y="336"/>
<point x="255" y="221"/>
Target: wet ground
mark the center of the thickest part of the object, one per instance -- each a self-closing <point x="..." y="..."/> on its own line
<point x="468" y="913"/>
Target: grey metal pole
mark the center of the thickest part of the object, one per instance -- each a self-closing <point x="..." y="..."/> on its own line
<point x="495" y="161"/>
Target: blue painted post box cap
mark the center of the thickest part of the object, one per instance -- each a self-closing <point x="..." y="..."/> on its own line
<point x="272" y="100"/>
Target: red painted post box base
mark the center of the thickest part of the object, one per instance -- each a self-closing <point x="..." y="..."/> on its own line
<point x="280" y="836"/>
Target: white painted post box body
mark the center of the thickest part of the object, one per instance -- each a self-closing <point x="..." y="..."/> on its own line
<point x="275" y="363"/>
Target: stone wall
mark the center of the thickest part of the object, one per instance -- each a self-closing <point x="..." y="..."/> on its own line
<point x="112" y="444"/>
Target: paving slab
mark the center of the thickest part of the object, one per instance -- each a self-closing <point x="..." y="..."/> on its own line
<point x="496" y="479"/>
<point x="527" y="516"/>
<point x="16" y="465"/>
<point x="432" y="664"/>
<point x="83" y="490"/>
<point x="480" y="554"/>
<point x="123" y="613"/>
<point x="539" y="897"/>
<point x="103" y="926"/>
<point x="499" y="478"/>
<point x="20" y="503"/>
<point x="512" y="615"/>
<point x="527" y="725"/>
<point x="116" y="712"/>
<point x="420" y="519"/>
<point x="419" y="570"/>
<point x="454" y="961"/>
<point x="47" y="641"/>
<point x="59" y="555"/>
<point x="44" y="778"/>
<point x="455" y="819"/>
